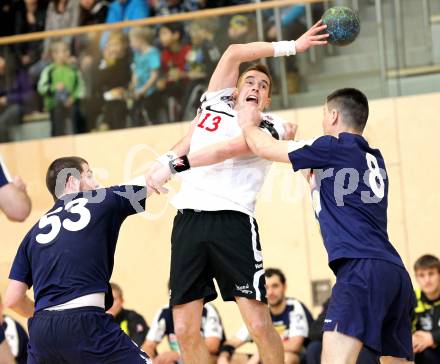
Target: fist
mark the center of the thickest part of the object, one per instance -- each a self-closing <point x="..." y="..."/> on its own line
<point x="249" y="115"/>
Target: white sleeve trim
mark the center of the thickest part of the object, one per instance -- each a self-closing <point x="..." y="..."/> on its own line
<point x="298" y="144"/>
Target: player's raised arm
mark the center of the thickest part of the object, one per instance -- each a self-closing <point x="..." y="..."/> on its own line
<point x="227" y="70"/>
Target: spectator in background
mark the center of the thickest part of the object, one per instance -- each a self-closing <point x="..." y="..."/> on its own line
<point x="290" y="317"/>
<point x="173" y="78"/>
<point x="131" y="322"/>
<point x="201" y="62"/>
<point x="30" y="17"/>
<point x="168" y="7"/>
<point x="426" y="335"/>
<point x="146" y="65"/>
<point x="163" y="325"/>
<point x="17" y="97"/>
<point x="61" y="14"/>
<point x="93" y="11"/>
<point x="62" y="86"/>
<point x="122" y="10"/>
<point x="113" y="78"/>
<point x="241" y="29"/>
<point x="314" y="349"/>
<point x="7" y="16"/>
<point x="16" y="336"/>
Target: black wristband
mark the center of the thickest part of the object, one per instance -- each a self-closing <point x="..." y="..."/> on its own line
<point x="180" y="164"/>
<point x="226" y="348"/>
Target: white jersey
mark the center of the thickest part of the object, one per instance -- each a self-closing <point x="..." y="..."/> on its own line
<point x="234" y="183"/>
<point x="293" y="321"/>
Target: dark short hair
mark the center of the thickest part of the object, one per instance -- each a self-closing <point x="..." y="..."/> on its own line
<point x="174" y="28"/>
<point x="352" y="104"/>
<point x="117" y="288"/>
<point x="57" y="166"/>
<point x="427" y="261"/>
<point x="260" y="68"/>
<point x="270" y="272"/>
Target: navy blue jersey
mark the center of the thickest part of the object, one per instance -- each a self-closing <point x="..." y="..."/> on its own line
<point x="69" y="253"/>
<point x="350" y="195"/>
<point x="4" y="174"/>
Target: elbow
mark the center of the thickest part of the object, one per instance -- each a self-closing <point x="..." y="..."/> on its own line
<point x="233" y="51"/>
<point x="21" y="213"/>
<point x="10" y="302"/>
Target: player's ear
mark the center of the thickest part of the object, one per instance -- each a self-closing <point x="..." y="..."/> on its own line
<point x="235" y="94"/>
<point x="334" y="115"/>
<point x="268" y="103"/>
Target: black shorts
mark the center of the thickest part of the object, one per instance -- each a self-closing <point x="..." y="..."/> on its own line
<point x="224" y="245"/>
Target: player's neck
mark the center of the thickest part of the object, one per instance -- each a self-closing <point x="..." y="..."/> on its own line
<point x="347" y="130"/>
<point x="277" y="310"/>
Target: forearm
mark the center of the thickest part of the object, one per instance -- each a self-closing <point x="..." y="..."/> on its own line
<point x="294" y="344"/>
<point x="219" y="152"/>
<point x="24" y="307"/>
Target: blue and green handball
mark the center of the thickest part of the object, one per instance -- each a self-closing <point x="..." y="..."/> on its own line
<point x="343" y="25"/>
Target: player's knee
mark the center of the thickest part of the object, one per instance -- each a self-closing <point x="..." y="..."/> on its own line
<point x="185" y="331"/>
<point x="259" y="328"/>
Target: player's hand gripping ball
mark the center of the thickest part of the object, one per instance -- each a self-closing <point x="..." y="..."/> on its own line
<point x="343" y="25"/>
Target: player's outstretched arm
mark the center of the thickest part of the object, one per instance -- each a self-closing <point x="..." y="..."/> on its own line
<point x="17" y="300"/>
<point x="259" y="142"/>
<point x="213" y="154"/>
<point x="227" y="71"/>
<point x="14" y="200"/>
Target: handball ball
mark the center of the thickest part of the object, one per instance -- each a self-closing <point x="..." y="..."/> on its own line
<point x="343" y="25"/>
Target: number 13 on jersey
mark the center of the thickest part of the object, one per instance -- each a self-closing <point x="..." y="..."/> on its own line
<point x="212" y="124"/>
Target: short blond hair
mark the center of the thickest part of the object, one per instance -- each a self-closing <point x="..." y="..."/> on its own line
<point x="145" y="34"/>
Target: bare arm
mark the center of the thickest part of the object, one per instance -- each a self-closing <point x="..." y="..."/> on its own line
<point x="14" y="200"/>
<point x="17" y="300"/>
<point x="213" y="344"/>
<point x="153" y="77"/>
<point x="6" y="356"/>
<point x="294" y="344"/>
<point x="227" y="71"/>
<point x="258" y="141"/>
<point x="150" y="348"/>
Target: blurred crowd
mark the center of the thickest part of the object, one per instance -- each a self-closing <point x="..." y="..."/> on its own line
<point x="119" y="78"/>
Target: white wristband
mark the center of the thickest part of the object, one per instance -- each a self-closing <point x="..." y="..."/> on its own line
<point x="284" y="48"/>
<point x="166" y="158"/>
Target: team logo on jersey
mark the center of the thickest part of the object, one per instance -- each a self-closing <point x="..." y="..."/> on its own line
<point x="426" y="323"/>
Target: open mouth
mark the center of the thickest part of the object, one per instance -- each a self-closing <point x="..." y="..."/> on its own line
<point x="252" y="98"/>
